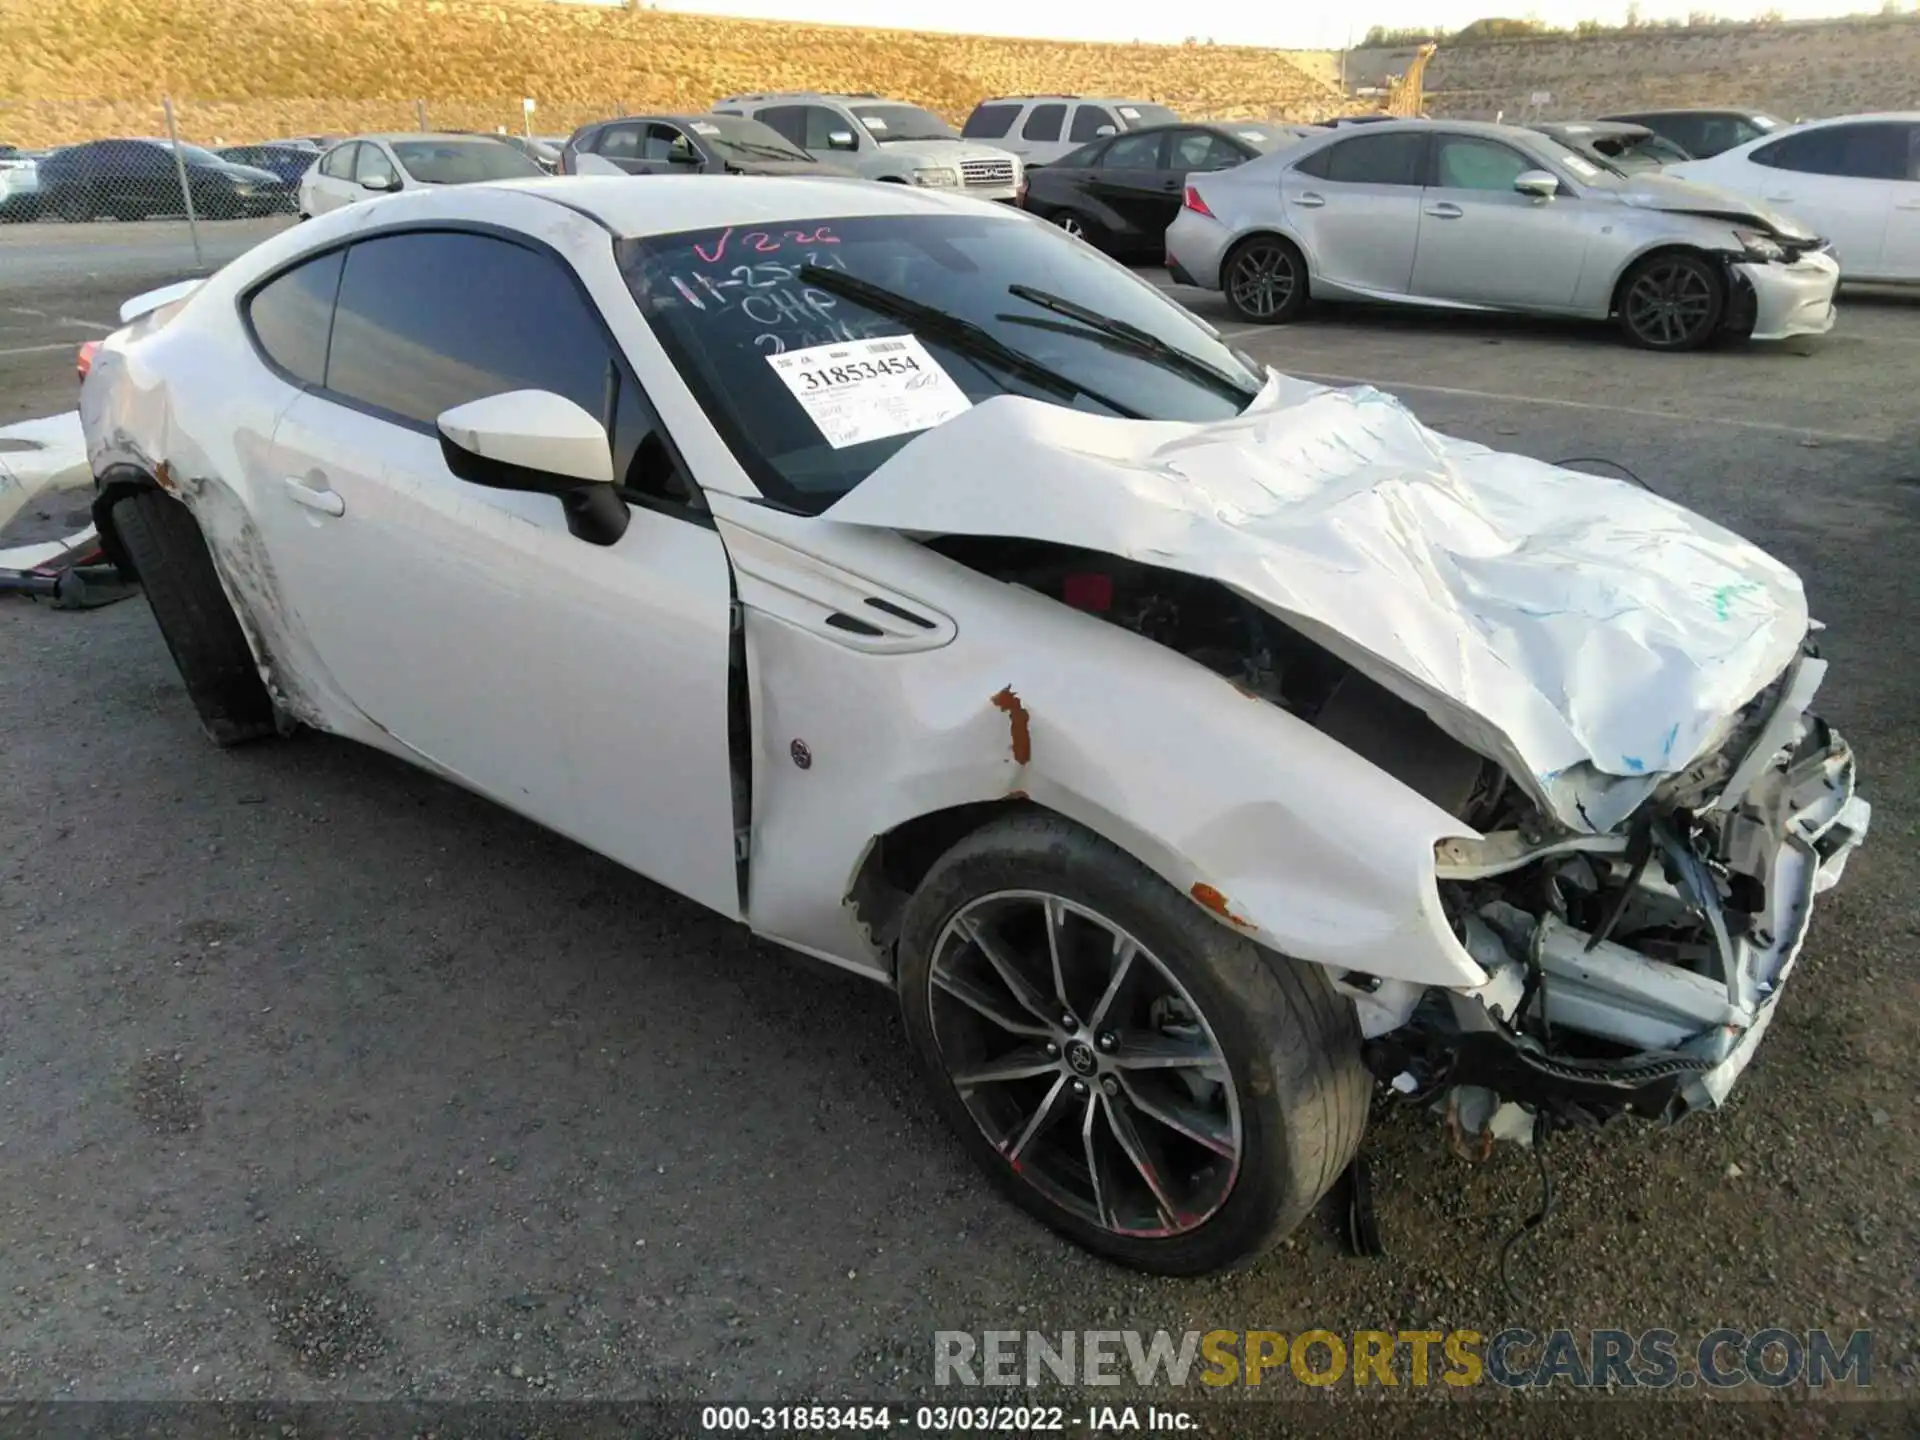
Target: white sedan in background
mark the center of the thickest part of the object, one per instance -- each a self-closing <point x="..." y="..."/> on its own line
<point x="373" y="165"/>
<point x="1855" y="179"/>
<point x="1190" y="747"/>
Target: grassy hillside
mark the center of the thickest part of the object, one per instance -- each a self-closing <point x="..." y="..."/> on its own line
<point x="238" y="66"/>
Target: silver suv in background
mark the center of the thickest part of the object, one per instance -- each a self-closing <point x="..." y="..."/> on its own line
<point x="886" y="140"/>
<point x="1042" y="128"/>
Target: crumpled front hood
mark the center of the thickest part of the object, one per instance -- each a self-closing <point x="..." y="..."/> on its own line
<point x="1587" y="634"/>
<point x="1663" y="190"/>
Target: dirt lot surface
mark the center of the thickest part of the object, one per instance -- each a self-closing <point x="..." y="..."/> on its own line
<point x="325" y="1080"/>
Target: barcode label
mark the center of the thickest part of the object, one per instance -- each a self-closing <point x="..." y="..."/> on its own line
<point x="885" y="347"/>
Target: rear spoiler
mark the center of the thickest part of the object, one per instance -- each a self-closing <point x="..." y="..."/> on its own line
<point x="153" y="299"/>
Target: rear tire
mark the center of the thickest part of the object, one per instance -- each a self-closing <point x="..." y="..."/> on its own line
<point x="170" y="556"/>
<point x="1280" y="1094"/>
<point x="1078" y="226"/>
<point x="1672" y="301"/>
<point x="1264" y="279"/>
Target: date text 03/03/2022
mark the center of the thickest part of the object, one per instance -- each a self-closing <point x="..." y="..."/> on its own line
<point x="949" y="1419"/>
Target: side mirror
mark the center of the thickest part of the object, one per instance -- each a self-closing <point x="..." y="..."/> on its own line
<point x="678" y="156"/>
<point x="1104" y="131"/>
<point x="1538" y="183"/>
<point x="841" y="140"/>
<point x="381" y="184"/>
<point x="541" y="444"/>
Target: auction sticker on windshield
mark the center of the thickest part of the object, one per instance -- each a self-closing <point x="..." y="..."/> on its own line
<point x="862" y="390"/>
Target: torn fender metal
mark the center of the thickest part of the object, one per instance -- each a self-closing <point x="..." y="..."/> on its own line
<point x="1273" y="827"/>
<point x="1589" y="635"/>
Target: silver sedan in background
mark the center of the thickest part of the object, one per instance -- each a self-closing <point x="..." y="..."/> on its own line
<point x="1474" y="216"/>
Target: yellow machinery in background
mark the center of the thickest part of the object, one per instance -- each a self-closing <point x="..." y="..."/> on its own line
<point x="1404" y="94"/>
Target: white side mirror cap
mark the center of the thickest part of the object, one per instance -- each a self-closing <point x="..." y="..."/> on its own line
<point x="532" y="430"/>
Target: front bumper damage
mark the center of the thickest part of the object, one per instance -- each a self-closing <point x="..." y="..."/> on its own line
<point x="1782" y="300"/>
<point x="1636" y="972"/>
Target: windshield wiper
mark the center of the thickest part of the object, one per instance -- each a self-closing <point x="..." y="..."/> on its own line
<point x="963" y="335"/>
<point x="1141" y="342"/>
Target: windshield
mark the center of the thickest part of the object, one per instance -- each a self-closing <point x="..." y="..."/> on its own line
<point x="728" y="305"/>
<point x="1139" y="116"/>
<point x="1589" y="169"/>
<point x="747" y="137"/>
<point x="462" y="162"/>
<point x="902" y="122"/>
<point x="1262" y="137"/>
<point x="194" y="155"/>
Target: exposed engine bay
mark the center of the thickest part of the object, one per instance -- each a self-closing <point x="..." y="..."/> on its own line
<point x="1628" y="973"/>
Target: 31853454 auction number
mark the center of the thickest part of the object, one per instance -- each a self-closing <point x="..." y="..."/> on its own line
<point x="853" y="371"/>
<point x="780" y="1418"/>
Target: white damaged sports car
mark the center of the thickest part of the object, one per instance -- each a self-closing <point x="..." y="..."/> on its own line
<point x="1190" y="747"/>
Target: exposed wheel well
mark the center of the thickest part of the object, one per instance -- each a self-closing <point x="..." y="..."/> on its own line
<point x="110" y="488"/>
<point x="899" y="860"/>
<point x="892" y="179"/>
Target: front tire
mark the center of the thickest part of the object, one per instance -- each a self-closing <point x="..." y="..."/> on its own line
<point x="1264" y="279"/>
<point x="1126" y="1068"/>
<point x="176" y="571"/>
<point x="1672" y="301"/>
<point x="1078" y="226"/>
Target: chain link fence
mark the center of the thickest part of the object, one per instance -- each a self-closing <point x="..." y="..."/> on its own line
<point x="187" y="184"/>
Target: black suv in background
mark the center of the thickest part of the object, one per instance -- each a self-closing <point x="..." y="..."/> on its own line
<point x="132" y="179"/>
<point x="1704" y="133"/>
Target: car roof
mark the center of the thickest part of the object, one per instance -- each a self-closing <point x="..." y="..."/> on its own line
<point x="1084" y="99"/>
<point x="755" y="97"/>
<point x="1881" y="117"/>
<point x="1590" y="127"/>
<point x="1693" y="110"/>
<point x="389" y="137"/>
<point x="667" y="204"/>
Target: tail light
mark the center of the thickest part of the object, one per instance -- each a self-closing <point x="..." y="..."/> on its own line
<point x="83" y="362"/>
<point x="1194" y="203"/>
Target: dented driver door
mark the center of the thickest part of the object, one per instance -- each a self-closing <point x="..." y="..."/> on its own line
<point x="584" y="685"/>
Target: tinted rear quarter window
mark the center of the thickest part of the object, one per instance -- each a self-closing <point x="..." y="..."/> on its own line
<point x="990" y="122"/>
<point x="1376" y="160"/>
<point x="290" y="317"/>
<point x="1134" y="152"/>
<point x="1044" y="123"/>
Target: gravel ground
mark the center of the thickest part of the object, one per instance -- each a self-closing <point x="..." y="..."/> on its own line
<point x="327" y="1081"/>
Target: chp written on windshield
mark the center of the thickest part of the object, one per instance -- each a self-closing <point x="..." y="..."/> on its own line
<point x="736" y="275"/>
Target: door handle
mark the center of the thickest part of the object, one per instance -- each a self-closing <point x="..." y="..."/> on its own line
<point x="1309" y="200"/>
<point x="1178" y="182"/>
<point x="1908" y="205"/>
<point x="327" y="502"/>
<point x="1445" y="211"/>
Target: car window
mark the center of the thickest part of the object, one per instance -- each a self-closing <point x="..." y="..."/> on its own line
<point x="338" y="162"/>
<point x="1087" y="120"/>
<point x="373" y="165"/>
<point x="1393" y="159"/>
<point x="618" y="142"/>
<point x="889" y="122"/>
<point x="408" y="339"/>
<point x="1204" y="150"/>
<point x="1139" y="115"/>
<point x="1466" y="162"/>
<point x="726" y="305"/>
<point x="790" y="121"/>
<point x="661" y="142"/>
<point x="459" y="161"/>
<point x="990" y="122"/>
<point x="1862" y="152"/>
<point x="1133" y="152"/>
<point x="748" y="137"/>
<point x="290" y="317"/>
<point x="1044" y="123"/>
<point x="821" y="125"/>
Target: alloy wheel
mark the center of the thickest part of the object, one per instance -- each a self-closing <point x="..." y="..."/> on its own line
<point x="1669" y="302"/>
<point x="1085" y="1063"/>
<point x="1262" y="280"/>
<point x="1072" y="225"/>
